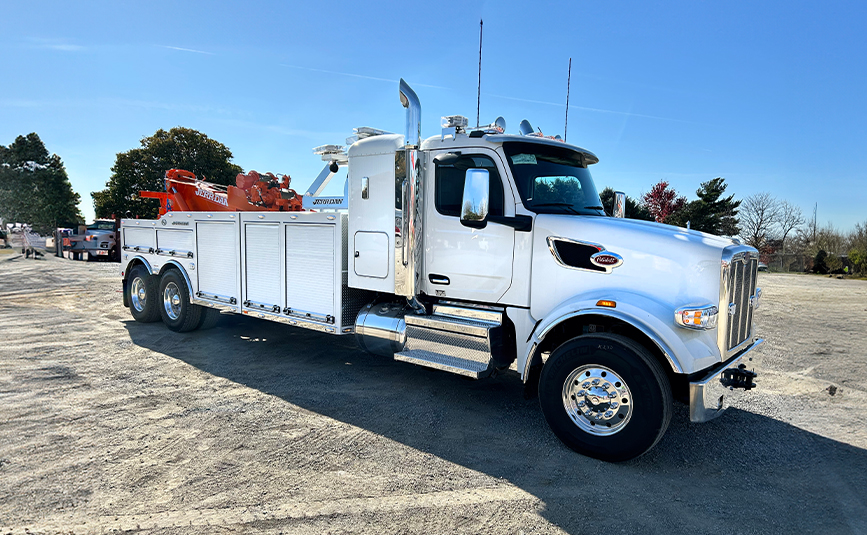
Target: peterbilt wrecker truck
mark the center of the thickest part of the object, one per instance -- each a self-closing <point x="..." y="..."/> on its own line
<point x="471" y="252"/>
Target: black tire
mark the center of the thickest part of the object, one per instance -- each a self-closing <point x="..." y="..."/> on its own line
<point x="633" y="409"/>
<point x="210" y="317"/>
<point x="142" y="291"/>
<point x="177" y="312"/>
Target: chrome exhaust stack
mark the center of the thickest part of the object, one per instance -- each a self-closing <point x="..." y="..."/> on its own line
<point x="409" y="209"/>
<point x="410" y="101"/>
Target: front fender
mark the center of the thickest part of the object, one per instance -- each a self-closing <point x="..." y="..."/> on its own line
<point x="686" y="351"/>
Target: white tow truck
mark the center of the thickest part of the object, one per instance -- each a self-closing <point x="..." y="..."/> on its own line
<point x="472" y="252"/>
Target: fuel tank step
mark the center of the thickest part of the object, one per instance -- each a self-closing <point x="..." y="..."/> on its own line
<point x="452" y="339"/>
<point x="456" y="365"/>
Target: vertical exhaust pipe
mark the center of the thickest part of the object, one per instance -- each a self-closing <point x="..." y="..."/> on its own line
<point x="408" y="246"/>
<point x="413" y="113"/>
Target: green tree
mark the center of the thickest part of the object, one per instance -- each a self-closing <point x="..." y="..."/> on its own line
<point x="634" y="210"/>
<point x="34" y="186"/>
<point x="711" y="213"/>
<point x="143" y="169"/>
<point x="858" y="248"/>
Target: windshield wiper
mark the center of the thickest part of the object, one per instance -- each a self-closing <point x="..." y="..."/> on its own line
<point x="594" y="208"/>
<point x="566" y="205"/>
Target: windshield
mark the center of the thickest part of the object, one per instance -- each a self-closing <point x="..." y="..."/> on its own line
<point x="552" y="180"/>
<point x="101" y="225"/>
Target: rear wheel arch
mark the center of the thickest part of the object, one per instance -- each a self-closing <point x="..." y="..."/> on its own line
<point x="173" y="265"/>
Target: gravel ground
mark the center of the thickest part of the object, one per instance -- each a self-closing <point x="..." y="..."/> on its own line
<point x="108" y="425"/>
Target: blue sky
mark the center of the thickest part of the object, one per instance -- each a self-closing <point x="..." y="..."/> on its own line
<point x="770" y="95"/>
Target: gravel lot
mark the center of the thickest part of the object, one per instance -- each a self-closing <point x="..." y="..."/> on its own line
<point x="108" y="425"/>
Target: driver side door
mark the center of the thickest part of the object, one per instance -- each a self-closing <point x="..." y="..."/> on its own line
<point x="462" y="262"/>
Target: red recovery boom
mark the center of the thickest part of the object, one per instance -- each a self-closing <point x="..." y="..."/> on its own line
<point x="253" y="192"/>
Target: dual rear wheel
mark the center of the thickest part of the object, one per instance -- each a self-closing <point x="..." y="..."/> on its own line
<point x="166" y="297"/>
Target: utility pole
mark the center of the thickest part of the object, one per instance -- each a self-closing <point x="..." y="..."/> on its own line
<point x="815" y="209"/>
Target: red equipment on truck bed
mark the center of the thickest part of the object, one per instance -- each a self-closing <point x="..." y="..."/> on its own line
<point x="253" y="192"/>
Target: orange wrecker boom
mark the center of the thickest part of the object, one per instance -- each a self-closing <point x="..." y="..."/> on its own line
<point x="253" y="192"/>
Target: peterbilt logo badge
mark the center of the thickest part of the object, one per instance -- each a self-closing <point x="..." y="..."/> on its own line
<point x="606" y="259"/>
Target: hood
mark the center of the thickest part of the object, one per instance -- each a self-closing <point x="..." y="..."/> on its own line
<point x="674" y="265"/>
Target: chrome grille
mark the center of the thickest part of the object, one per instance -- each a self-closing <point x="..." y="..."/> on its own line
<point x="739" y="277"/>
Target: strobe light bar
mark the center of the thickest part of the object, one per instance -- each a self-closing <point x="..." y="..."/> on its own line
<point x="331" y="153"/>
<point x="363" y="132"/>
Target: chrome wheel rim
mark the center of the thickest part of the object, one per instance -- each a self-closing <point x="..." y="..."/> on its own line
<point x="172" y="301"/>
<point x="597" y="400"/>
<point x="138" y="294"/>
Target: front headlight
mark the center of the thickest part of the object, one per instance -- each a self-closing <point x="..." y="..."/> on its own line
<point x="704" y="318"/>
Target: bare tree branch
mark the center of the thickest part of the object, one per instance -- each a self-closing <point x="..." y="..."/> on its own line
<point x="759" y="215"/>
<point x="790" y="218"/>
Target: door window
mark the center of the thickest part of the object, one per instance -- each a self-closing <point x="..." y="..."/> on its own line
<point x="450" y="184"/>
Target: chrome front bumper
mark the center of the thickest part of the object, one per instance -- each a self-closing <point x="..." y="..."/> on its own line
<point x="709" y="397"/>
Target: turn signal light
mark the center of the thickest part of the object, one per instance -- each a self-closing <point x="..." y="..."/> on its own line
<point x="606" y="303"/>
<point x="697" y="317"/>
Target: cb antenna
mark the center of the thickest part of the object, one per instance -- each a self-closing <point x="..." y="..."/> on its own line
<point x="568" y="83"/>
<point x="479" y="94"/>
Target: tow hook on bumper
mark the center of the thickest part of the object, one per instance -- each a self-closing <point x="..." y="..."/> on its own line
<point x="709" y="397"/>
<point x="739" y="377"/>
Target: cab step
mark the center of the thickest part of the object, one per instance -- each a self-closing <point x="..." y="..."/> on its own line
<point x="455" y="339"/>
<point x="438" y="361"/>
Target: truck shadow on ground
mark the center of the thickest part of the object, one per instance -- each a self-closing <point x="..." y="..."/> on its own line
<point x="741" y="473"/>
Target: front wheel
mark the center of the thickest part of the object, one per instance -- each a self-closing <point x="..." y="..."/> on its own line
<point x="176" y="310"/>
<point x="605" y="396"/>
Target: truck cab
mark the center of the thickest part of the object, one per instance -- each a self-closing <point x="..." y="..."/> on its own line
<point x="476" y="252"/>
<point x="98" y="240"/>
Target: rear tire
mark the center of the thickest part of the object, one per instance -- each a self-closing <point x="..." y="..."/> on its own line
<point x="605" y="396"/>
<point x="142" y="289"/>
<point x="177" y="312"/>
<point x="210" y="317"/>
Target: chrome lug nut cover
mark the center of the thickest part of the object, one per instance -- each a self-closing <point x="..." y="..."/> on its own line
<point x="588" y="398"/>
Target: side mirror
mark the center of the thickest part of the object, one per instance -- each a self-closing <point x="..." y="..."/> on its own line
<point x="476" y="199"/>
<point x="619" y="204"/>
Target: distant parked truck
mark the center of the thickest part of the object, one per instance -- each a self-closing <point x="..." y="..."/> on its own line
<point x="471" y="252"/>
<point x="98" y="241"/>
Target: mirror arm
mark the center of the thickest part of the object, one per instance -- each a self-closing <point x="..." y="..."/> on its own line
<point x="520" y="222"/>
